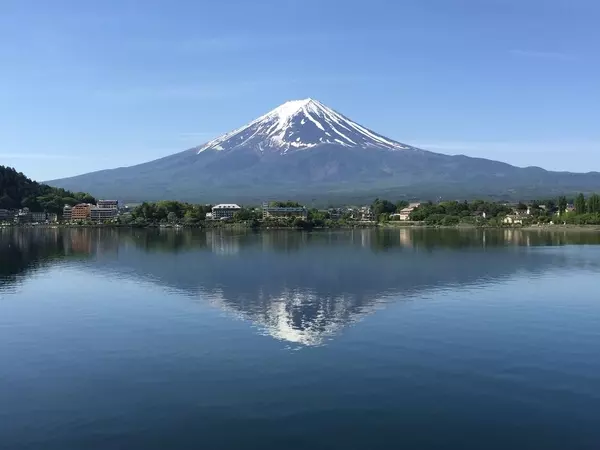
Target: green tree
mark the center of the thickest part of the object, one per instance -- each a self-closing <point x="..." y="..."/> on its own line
<point x="18" y="191"/>
<point x="172" y="217"/>
<point x="551" y="206"/>
<point x="401" y="204"/>
<point x="299" y="222"/>
<point x="380" y="207"/>
<point x="580" y="205"/>
<point x="287" y="204"/>
<point x="562" y="205"/>
<point x="594" y="204"/>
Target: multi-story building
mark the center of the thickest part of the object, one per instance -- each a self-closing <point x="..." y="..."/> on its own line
<point x="52" y="217"/>
<point x="513" y="219"/>
<point x="67" y="210"/>
<point x="23" y="216"/>
<point x="335" y="213"/>
<point x="108" y="204"/>
<point x="38" y="217"/>
<point x="81" y="211"/>
<point x="224" y="211"/>
<point x="273" y="212"/>
<point x="405" y="213"/>
<point x="7" y="214"/>
<point x="367" y="214"/>
<point x="100" y="214"/>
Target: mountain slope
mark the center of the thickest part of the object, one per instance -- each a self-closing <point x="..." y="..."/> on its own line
<point x="17" y="191"/>
<point x="303" y="149"/>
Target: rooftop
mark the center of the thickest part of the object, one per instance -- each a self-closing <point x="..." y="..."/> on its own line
<point x="227" y="206"/>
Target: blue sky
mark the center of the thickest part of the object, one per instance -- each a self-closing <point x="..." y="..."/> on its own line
<point x="93" y="85"/>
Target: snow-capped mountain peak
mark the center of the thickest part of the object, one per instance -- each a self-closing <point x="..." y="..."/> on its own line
<point x="300" y="125"/>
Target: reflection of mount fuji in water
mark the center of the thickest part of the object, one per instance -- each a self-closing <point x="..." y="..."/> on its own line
<point x="296" y="286"/>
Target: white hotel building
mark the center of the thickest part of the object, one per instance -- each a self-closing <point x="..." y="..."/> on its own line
<point x="224" y="211"/>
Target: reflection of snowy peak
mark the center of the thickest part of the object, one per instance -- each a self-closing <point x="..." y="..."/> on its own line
<point x="298" y="317"/>
<point x="299" y="125"/>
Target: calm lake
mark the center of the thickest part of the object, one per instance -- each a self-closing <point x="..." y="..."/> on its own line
<point x="363" y="339"/>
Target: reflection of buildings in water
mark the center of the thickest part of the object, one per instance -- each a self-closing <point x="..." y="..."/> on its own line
<point x="223" y="244"/>
<point x="365" y="238"/>
<point x="283" y="240"/>
<point x="512" y="236"/>
<point x="328" y="284"/>
<point x="361" y="236"/>
<point x="405" y="237"/>
<point x="80" y="242"/>
<point x="518" y="237"/>
<point x="330" y="281"/>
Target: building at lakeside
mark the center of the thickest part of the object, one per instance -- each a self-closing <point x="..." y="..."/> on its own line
<point x="404" y="214"/>
<point x="513" y="219"/>
<point x="224" y="211"/>
<point x="7" y="215"/>
<point x="23" y="216"/>
<point x="39" y="217"/>
<point x="81" y="211"/>
<point x="103" y="210"/>
<point x="26" y="216"/>
<point x="108" y="204"/>
<point x="275" y="212"/>
<point x="100" y="214"/>
<point x="66" y="215"/>
<point x="336" y="213"/>
<point x="366" y="214"/>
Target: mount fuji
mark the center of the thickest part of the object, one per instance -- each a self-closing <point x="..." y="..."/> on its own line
<point x="303" y="150"/>
<point x="301" y="125"/>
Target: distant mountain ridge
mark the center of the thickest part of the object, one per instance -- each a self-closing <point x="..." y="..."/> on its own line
<point x="303" y="150"/>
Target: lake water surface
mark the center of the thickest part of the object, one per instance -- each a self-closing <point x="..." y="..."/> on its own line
<point x="364" y="339"/>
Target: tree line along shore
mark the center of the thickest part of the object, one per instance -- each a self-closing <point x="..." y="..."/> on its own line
<point x="581" y="212"/>
<point x="17" y="191"/>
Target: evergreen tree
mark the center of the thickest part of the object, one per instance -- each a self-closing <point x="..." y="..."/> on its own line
<point x="562" y="205"/>
<point x="594" y="204"/>
<point x="580" y="205"/>
<point x="18" y="191"/>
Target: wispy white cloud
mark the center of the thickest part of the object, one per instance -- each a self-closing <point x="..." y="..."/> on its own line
<point x="557" y="56"/>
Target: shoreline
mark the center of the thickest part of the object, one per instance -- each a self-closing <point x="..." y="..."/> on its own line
<point x="386" y="225"/>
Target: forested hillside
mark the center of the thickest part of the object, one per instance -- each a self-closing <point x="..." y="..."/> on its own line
<point x="18" y="191"/>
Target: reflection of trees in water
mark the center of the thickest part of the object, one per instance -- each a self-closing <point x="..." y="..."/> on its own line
<point x="460" y="238"/>
<point x="298" y="286"/>
<point x="23" y="250"/>
<point x="304" y="286"/>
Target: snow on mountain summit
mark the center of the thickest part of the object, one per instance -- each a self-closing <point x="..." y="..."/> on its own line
<point x="300" y="125"/>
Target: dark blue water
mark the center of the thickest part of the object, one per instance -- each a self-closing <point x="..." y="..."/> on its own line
<point x="286" y="340"/>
